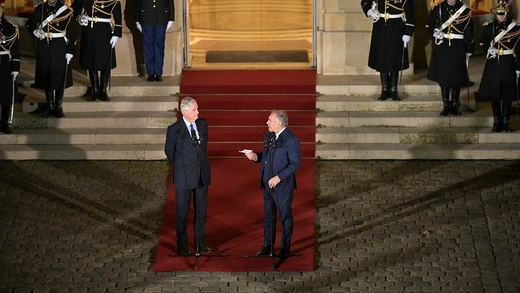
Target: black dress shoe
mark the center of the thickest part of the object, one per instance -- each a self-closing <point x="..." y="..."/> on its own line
<point x="265" y="251"/>
<point x="284" y="253"/>
<point x="5" y="128"/>
<point x="103" y="96"/>
<point x="151" y="78"/>
<point x="204" y="248"/>
<point x="158" y="78"/>
<point x="184" y="251"/>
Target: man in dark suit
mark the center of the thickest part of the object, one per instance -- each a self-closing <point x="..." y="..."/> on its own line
<point x="280" y="160"/>
<point x="186" y="148"/>
<point x="153" y="19"/>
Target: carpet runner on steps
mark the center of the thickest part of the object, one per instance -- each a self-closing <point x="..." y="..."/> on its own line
<point x="236" y="104"/>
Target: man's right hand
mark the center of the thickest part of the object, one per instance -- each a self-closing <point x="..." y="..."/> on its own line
<point x="138" y="25"/>
<point x="252" y="156"/>
<point x="373" y="14"/>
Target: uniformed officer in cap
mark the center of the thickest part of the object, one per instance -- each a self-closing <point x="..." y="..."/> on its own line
<point x="9" y="66"/>
<point x="52" y="23"/>
<point x="450" y="24"/>
<point x="394" y="22"/>
<point x="101" y="29"/>
<point x="498" y="84"/>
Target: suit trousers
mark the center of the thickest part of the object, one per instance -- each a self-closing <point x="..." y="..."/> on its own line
<point x="153" y="43"/>
<point x="282" y="202"/>
<point x="183" y="201"/>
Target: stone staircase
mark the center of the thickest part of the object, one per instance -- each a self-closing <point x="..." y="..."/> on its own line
<point x="351" y="123"/>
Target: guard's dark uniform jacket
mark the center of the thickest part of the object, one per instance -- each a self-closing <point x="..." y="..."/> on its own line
<point x="104" y="21"/>
<point x="499" y="76"/>
<point x="386" y="44"/>
<point x="9" y="59"/>
<point x="58" y="37"/>
<point x="448" y="62"/>
<point x="153" y="13"/>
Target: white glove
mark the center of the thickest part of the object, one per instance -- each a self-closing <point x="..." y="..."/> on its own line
<point x="138" y="25"/>
<point x="15" y="74"/>
<point x="68" y="56"/>
<point x="492" y="52"/>
<point x="38" y="33"/>
<point x="169" y="25"/>
<point x="373" y="14"/>
<point x="406" y="39"/>
<point x="437" y="33"/>
<point x="82" y="19"/>
<point x="468" y="55"/>
<point x="113" y="41"/>
<point x="517" y="73"/>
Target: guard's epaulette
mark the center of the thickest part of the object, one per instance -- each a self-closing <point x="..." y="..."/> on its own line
<point x="13" y="24"/>
<point x="39" y="4"/>
<point x="487" y="23"/>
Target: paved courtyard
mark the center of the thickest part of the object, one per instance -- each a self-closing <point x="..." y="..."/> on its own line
<point x="381" y="226"/>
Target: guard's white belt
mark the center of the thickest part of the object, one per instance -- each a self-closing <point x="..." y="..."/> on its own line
<point x="452" y="36"/>
<point x="5" y="52"/>
<point x="388" y="15"/>
<point x="53" y="35"/>
<point x="99" y="19"/>
<point x="505" y="52"/>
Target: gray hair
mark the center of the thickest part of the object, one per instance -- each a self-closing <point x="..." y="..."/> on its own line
<point x="186" y="103"/>
<point x="281" y="116"/>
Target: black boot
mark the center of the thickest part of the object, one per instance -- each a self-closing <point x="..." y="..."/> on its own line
<point x="59" y="100"/>
<point x="385" y="86"/>
<point x="506" y="107"/>
<point x="497" y="117"/>
<point x="455" y="103"/>
<point x="103" y="95"/>
<point x="94" y="81"/>
<point x="49" y="96"/>
<point x="4" y="127"/>
<point x="445" y="92"/>
<point x="394" y="76"/>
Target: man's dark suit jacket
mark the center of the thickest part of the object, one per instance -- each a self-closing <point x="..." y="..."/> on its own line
<point x="181" y="151"/>
<point x="152" y="13"/>
<point x="285" y="160"/>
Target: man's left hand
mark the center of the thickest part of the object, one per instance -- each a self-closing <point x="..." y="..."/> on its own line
<point x="14" y="74"/>
<point x="406" y="39"/>
<point x="113" y="41"/>
<point x="169" y="25"/>
<point x="274" y="181"/>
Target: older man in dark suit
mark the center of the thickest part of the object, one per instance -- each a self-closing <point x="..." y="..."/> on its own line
<point x="186" y="148"/>
<point x="153" y="19"/>
<point x="280" y="160"/>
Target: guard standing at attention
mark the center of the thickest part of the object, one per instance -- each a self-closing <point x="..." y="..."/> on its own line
<point x="52" y="23"/>
<point x="499" y="80"/>
<point x="452" y="28"/>
<point x="394" y="23"/>
<point x="153" y="19"/>
<point x="101" y="22"/>
<point x="9" y="67"/>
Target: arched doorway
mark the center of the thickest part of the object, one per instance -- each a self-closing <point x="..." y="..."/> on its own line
<point x="234" y="34"/>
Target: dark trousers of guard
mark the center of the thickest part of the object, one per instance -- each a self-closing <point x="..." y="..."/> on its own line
<point x="450" y="106"/>
<point x="99" y="82"/>
<point x="55" y="103"/>
<point x="389" y="86"/>
<point x="4" y="127"/>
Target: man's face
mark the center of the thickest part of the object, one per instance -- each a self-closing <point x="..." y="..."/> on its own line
<point x="192" y="113"/>
<point x="272" y="124"/>
<point x="501" y="17"/>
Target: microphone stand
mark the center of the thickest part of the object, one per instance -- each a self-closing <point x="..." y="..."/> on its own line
<point x="196" y="143"/>
<point x="270" y="144"/>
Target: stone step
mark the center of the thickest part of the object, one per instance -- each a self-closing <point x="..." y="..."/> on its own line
<point x="96" y="120"/>
<point x="120" y="103"/>
<point x="414" y="135"/>
<point x="390" y="151"/>
<point x="480" y="118"/>
<point x="337" y="103"/>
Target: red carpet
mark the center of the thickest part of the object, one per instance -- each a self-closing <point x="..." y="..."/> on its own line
<point x="236" y="104"/>
<point x="235" y="222"/>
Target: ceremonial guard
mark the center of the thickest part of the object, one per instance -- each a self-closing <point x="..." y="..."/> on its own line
<point x="394" y="22"/>
<point x="52" y="23"/>
<point x="499" y="80"/>
<point x="153" y="19"/>
<point x="101" y="22"/>
<point x="9" y="67"/>
<point x="452" y="28"/>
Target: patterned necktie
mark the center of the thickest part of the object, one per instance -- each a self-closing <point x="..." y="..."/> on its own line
<point x="194" y="134"/>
